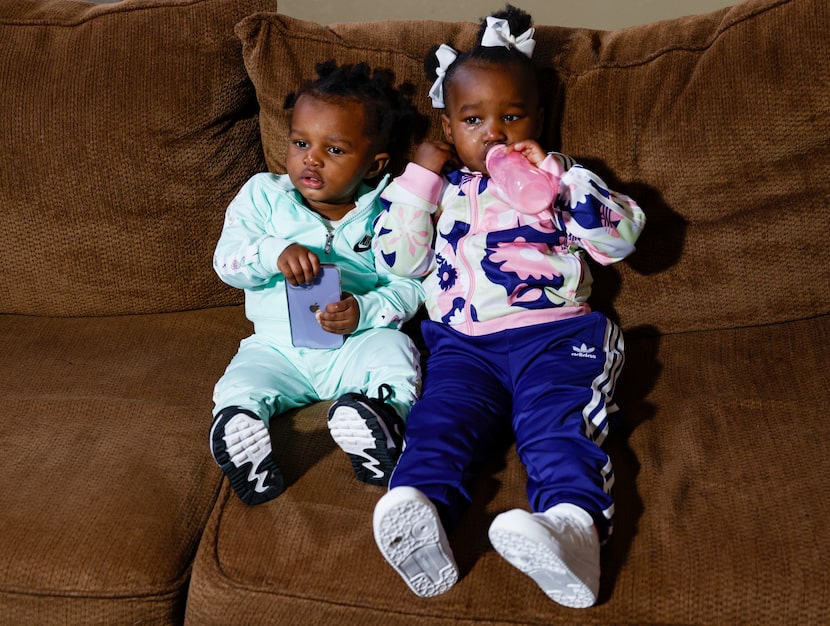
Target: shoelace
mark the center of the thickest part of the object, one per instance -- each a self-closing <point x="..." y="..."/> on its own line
<point x="384" y="392"/>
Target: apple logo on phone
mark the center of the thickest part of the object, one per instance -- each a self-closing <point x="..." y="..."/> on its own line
<point x="314" y="308"/>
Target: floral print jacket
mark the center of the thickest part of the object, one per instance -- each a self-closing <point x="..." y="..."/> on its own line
<point x="489" y="267"/>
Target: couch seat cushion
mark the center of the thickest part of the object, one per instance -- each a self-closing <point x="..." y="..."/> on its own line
<point x="720" y="512"/>
<point x="107" y="476"/>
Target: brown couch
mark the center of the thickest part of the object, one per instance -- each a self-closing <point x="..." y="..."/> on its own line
<point x="126" y="129"/>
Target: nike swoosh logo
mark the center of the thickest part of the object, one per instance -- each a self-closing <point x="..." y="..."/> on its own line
<point x="364" y="245"/>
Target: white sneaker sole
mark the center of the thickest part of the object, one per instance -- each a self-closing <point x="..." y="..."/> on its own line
<point x="359" y="437"/>
<point x="410" y="537"/>
<point x="539" y="560"/>
<point x="241" y="446"/>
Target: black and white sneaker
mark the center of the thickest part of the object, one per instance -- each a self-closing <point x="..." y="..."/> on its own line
<point x="241" y="446"/>
<point x="370" y="431"/>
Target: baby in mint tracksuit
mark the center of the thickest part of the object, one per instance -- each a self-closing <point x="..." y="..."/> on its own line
<point x="279" y="229"/>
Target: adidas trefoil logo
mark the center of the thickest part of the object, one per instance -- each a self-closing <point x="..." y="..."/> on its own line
<point x="583" y="352"/>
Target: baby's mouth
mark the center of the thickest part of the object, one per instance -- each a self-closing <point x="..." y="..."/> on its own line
<point x="311" y="181"/>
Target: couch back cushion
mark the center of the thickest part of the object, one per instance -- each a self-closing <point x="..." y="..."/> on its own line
<point x="126" y="129"/>
<point x="718" y="124"/>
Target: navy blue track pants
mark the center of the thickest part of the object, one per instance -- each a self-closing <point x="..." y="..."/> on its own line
<point x="553" y="384"/>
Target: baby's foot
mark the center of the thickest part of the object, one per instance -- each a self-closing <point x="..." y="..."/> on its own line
<point x="559" y="549"/>
<point x="411" y="538"/>
<point x="241" y="446"/>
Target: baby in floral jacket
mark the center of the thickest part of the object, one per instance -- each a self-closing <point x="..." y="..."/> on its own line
<point x="513" y="343"/>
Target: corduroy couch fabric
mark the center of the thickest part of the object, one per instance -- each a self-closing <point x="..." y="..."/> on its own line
<point x="131" y="127"/>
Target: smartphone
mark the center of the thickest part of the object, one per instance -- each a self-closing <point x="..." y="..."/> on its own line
<point x="303" y="303"/>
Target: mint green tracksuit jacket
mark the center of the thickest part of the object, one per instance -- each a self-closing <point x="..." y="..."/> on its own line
<point x="268" y="375"/>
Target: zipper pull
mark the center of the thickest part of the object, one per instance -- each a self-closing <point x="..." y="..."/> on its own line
<point x="329" y="238"/>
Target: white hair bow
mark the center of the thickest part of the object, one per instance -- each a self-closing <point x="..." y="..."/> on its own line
<point x="498" y="33"/>
<point x="445" y="55"/>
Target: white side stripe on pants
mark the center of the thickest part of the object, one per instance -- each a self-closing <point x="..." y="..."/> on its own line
<point x="595" y="413"/>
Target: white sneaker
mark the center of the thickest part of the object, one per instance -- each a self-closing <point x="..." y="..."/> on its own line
<point x="559" y="549"/>
<point x="411" y="538"/>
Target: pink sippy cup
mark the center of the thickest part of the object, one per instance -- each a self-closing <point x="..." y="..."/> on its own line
<point x="525" y="187"/>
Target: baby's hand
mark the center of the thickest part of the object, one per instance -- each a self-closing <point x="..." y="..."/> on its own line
<point x="531" y="150"/>
<point x="298" y="264"/>
<point x="434" y="155"/>
<point x="340" y="318"/>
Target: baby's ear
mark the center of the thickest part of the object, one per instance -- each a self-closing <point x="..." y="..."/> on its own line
<point x="381" y="160"/>
<point x="447" y="128"/>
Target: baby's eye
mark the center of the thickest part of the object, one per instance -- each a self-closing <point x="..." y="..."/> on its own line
<point x="300" y="143"/>
<point x="512" y="118"/>
<point x="472" y="121"/>
<point x="336" y="150"/>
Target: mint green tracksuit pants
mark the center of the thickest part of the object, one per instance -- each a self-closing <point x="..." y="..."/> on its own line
<point x="270" y="379"/>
